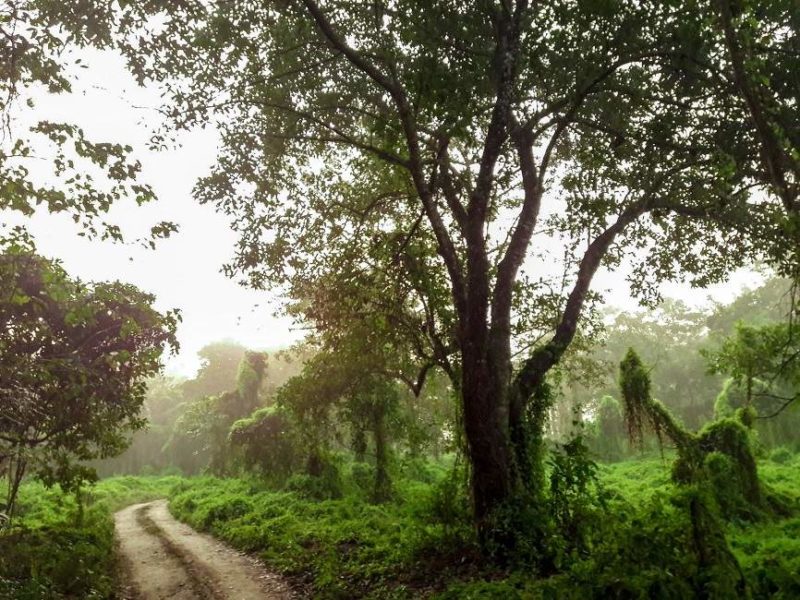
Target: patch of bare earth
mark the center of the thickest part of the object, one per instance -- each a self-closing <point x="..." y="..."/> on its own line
<point x="162" y="558"/>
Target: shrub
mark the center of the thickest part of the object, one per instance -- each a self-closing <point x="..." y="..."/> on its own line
<point x="781" y="455"/>
<point x="326" y="486"/>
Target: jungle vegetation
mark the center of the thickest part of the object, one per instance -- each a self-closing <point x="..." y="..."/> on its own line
<point x="433" y="187"/>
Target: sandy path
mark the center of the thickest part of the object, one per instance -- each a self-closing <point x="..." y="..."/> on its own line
<point x="163" y="558"/>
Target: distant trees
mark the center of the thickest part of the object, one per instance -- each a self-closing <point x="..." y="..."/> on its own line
<point x="761" y="361"/>
<point x="670" y="338"/>
<point x="74" y="358"/>
<point x="190" y="420"/>
<point x="206" y="421"/>
<point x="218" y="369"/>
<point x="607" y="435"/>
<point x="763" y="369"/>
<point x="702" y="363"/>
<point x="149" y="449"/>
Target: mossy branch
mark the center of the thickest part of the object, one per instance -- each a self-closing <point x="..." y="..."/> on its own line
<point x="642" y="411"/>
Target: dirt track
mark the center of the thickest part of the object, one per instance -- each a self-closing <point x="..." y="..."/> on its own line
<point x="163" y="558"/>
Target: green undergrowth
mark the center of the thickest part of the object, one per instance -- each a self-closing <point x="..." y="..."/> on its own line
<point x="646" y="551"/>
<point x="416" y="545"/>
<point x="338" y="548"/>
<point x="412" y="547"/>
<point x="60" y="548"/>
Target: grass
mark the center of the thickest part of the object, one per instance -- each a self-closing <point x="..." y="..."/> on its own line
<point x="414" y="546"/>
<point x="348" y="548"/>
<point x="58" y="549"/>
<point x="340" y="548"/>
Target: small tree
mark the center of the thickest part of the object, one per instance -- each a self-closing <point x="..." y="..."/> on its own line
<point x="74" y="360"/>
<point x="206" y="422"/>
<point x="764" y="363"/>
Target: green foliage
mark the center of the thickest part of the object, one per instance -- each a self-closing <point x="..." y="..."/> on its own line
<point x="48" y="163"/>
<point x="204" y="424"/>
<point x="344" y="547"/>
<point x="449" y="506"/>
<point x="74" y="358"/>
<point x="438" y="129"/>
<point x="59" y="548"/>
<point x="720" y="454"/>
<point x="781" y="455"/>
<point x="220" y="363"/>
<point x="576" y="499"/>
<point x="606" y="434"/>
<point x="325" y="485"/>
<point x="642" y="542"/>
<point x="268" y="441"/>
<point x="642" y="412"/>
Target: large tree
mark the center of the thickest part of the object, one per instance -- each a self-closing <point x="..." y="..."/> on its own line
<point x="507" y="134"/>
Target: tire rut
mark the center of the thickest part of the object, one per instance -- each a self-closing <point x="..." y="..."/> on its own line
<point x="201" y="579"/>
<point x="164" y="559"/>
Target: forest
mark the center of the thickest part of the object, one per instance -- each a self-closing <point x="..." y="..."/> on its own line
<point x="510" y="237"/>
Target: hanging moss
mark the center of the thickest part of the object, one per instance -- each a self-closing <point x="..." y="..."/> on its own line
<point x="719" y="455"/>
<point x="715" y="467"/>
<point x="642" y="412"/>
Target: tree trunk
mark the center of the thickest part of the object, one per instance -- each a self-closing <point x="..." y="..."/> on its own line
<point x="314" y="463"/>
<point x="16" y="472"/>
<point x="485" y="410"/>
<point x="383" y="484"/>
<point x="359" y="444"/>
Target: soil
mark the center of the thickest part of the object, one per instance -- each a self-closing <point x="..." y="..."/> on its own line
<point x="162" y="558"/>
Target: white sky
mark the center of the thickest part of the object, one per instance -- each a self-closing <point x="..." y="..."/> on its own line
<point x="184" y="271"/>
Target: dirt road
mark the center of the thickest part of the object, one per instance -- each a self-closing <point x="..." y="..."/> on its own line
<point x="163" y="558"/>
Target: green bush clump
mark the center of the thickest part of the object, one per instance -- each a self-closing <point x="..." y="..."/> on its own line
<point x="344" y="547"/>
<point x="325" y="486"/>
<point x="55" y="560"/>
<point x="781" y="455"/>
<point x="362" y="476"/>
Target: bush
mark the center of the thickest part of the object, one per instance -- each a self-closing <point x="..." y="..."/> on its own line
<point x="267" y="441"/>
<point x="326" y="486"/>
<point x="781" y="455"/>
<point x="363" y="476"/>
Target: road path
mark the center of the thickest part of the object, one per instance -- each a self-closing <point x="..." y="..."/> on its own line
<point x="165" y="559"/>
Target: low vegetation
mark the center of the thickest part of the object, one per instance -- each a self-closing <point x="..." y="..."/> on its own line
<point x="420" y="544"/>
<point x="61" y="545"/>
<point x="346" y="547"/>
